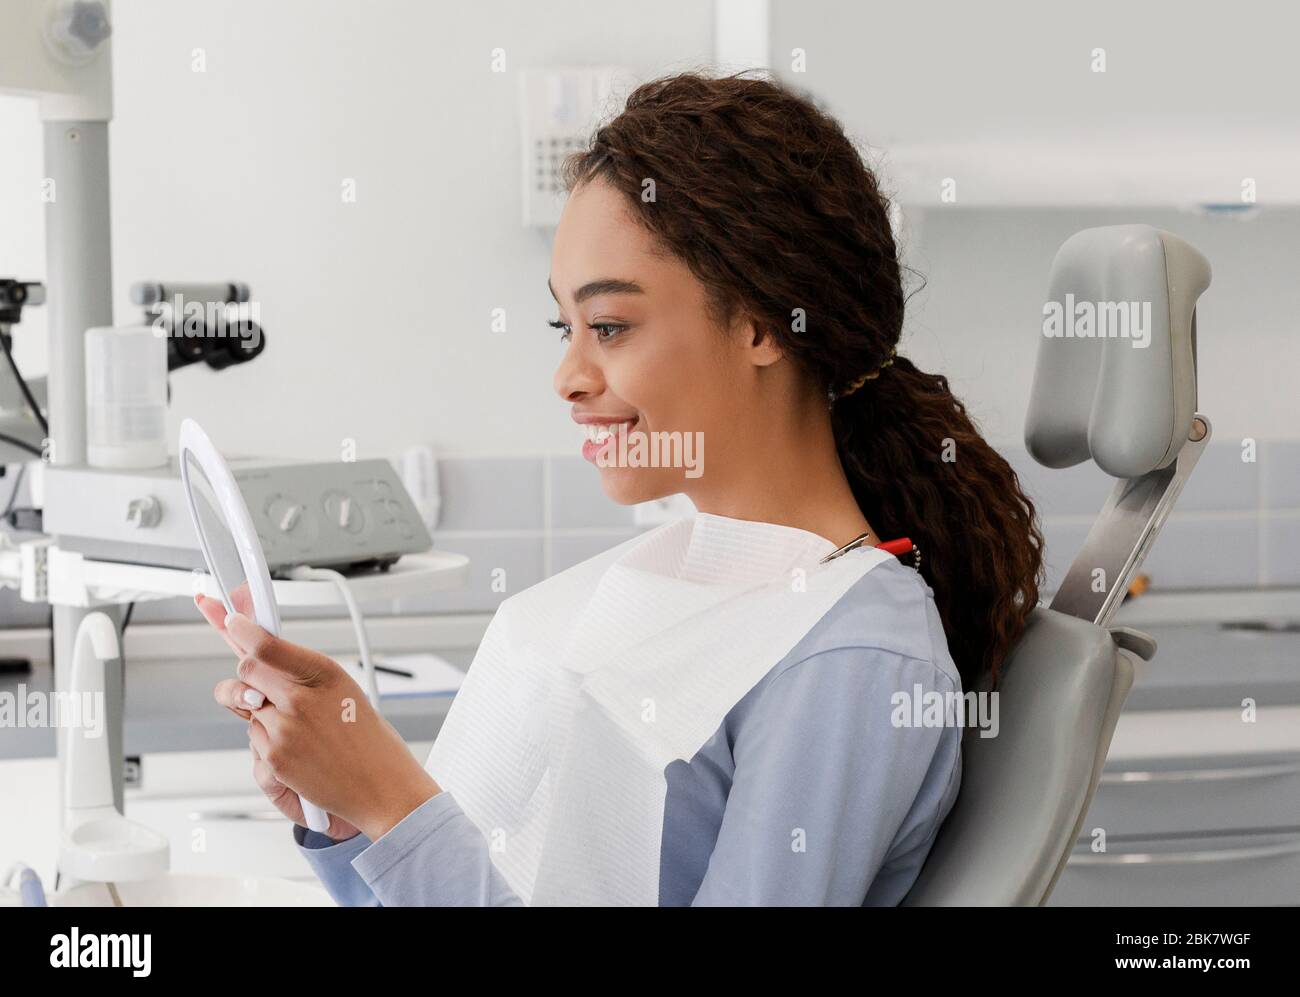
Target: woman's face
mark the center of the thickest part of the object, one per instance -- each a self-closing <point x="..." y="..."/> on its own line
<point x="642" y="354"/>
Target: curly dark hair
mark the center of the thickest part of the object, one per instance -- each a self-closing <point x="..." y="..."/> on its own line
<point x="767" y="201"/>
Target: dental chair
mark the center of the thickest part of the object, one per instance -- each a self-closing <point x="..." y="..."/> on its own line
<point x="1131" y="409"/>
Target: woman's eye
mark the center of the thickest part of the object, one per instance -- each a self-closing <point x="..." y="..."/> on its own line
<point x="612" y="328"/>
<point x="605" y="331"/>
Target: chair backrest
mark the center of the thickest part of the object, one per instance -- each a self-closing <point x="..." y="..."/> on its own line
<point x="1129" y="403"/>
<point x="1024" y="793"/>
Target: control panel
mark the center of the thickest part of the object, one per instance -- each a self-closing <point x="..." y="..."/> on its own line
<point x="331" y="514"/>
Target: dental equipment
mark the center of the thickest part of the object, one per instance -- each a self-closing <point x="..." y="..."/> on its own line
<point x="338" y="514"/>
<point x="126" y="398"/>
<point x="22" y="418"/>
<point x="212" y="323"/>
<point x="99" y="844"/>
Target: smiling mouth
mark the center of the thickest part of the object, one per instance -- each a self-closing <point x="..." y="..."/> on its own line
<point x="600" y="432"/>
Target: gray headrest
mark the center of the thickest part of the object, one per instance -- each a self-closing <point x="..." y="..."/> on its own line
<point x="1115" y="378"/>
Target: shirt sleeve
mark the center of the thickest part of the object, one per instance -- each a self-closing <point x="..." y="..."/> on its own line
<point x="332" y="862"/>
<point x="435" y="856"/>
<point x="831" y="776"/>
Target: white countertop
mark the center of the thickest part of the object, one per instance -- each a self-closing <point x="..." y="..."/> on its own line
<point x="186" y="795"/>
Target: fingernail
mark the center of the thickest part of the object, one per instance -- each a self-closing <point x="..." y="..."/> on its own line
<point x="254" y="698"/>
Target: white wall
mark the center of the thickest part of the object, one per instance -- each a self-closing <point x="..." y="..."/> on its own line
<point x="935" y="70"/>
<point x="377" y="313"/>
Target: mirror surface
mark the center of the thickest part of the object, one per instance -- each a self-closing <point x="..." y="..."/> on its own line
<point x="218" y="540"/>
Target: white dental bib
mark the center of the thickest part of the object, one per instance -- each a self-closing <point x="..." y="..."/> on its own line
<point x="587" y="685"/>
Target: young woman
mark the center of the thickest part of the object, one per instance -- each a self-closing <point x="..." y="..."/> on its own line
<point x="720" y="710"/>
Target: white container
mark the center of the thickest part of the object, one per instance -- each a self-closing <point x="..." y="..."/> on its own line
<point x="126" y="397"/>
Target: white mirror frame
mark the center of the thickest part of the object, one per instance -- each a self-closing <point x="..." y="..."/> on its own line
<point x="195" y="441"/>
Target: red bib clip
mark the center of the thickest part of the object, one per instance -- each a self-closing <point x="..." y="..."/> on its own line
<point x="903" y="546"/>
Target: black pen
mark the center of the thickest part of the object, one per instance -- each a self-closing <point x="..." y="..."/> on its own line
<point x="389" y="671"/>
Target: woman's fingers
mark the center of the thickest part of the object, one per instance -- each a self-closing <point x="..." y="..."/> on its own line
<point x="238" y="697"/>
<point x="274" y="684"/>
<point x="260" y="741"/>
<point x="242" y="599"/>
<point x="214" y="611"/>
<point x="302" y="664"/>
<point x="288" y="673"/>
<point x="281" y="796"/>
<point x="264" y="777"/>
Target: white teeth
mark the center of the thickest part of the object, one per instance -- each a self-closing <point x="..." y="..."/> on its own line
<point x="598" y="433"/>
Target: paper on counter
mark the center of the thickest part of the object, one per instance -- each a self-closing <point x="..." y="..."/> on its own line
<point x="433" y="676"/>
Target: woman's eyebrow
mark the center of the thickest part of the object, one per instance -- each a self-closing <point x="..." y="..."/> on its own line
<point x="606" y="285"/>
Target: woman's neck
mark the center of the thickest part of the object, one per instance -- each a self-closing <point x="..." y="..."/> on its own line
<point x="790" y="475"/>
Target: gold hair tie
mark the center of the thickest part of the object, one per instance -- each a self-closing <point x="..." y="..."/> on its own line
<point x="869" y="377"/>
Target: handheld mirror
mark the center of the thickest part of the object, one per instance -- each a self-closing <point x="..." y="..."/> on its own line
<point x="230" y="546"/>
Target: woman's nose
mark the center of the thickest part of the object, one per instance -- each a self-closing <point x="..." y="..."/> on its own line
<point x="577" y="375"/>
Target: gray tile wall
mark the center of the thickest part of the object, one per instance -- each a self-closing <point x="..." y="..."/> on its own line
<point x="519" y="520"/>
<point x="1236" y="525"/>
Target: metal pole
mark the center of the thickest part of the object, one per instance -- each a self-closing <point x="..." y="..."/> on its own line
<point x="80" y="283"/>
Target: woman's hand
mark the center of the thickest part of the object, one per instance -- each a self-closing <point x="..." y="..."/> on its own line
<point x="313" y="733"/>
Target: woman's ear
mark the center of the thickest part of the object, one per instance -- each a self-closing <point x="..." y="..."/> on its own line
<point x="763" y="348"/>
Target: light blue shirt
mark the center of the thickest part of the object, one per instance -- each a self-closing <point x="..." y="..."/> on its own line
<point x="808" y="793"/>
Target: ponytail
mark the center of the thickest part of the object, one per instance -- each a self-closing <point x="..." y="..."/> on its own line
<point x="919" y="466"/>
